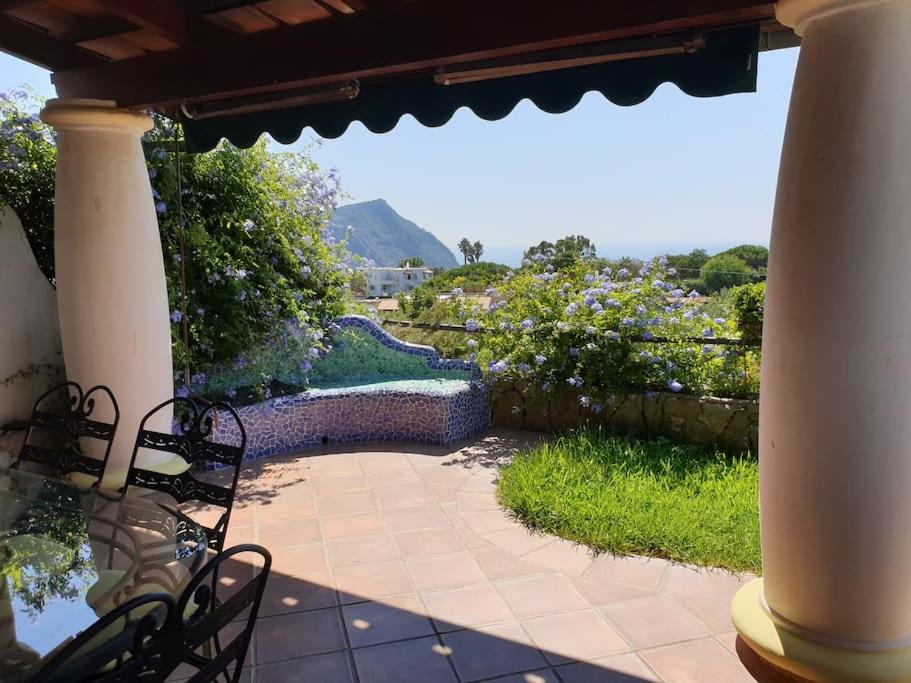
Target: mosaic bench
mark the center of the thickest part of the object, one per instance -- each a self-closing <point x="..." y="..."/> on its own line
<point x="443" y="401"/>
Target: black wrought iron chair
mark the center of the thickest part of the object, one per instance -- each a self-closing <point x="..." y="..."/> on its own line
<point x="193" y="443"/>
<point x="62" y="417"/>
<point x="203" y="614"/>
<point x="137" y="641"/>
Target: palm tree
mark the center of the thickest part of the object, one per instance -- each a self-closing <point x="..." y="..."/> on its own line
<point x="465" y="248"/>
<point x="477" y="250"/>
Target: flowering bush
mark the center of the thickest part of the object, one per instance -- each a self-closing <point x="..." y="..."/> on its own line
<point x="591" y="331"/>
<point x="263" y="274"/>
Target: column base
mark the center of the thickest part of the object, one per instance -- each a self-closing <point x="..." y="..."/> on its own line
<point x="795" y="654"/>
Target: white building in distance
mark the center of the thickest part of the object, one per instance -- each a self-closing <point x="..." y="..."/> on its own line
<point x="390" y="281"/>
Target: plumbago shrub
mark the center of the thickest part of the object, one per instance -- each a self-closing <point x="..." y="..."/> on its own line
<point x="263" y="275"/>
<point x="587" y="331"/>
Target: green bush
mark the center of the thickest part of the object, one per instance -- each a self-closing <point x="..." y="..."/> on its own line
<point x="748" y="302"/>
<point x="473" y="278"/>
<point x="724" y="271"/>
<point x="589" y="332"/>
<point x="263" y="276"/>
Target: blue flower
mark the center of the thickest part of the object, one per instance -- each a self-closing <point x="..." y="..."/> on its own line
<point x="576" y="382"/>
<point x="242" y="296"/>
<point x="527" y="324"/>
<point x="693" y="294"/>
<point x="472" y="325"/>
<point x="547" y="386"/>
<point x="305" y="271"/>
<point x="720" y="321"/>
<point x="182" y="391"/>
<point x="457" y="291"/>
<point x="304" y="366"/>
<point x="472" y="343"/>
<point x="152" y="173"/>
<point x="523" y="367"/>
<point x="674" y="385"/>
<point x="160" y="207"/>
<point x="571" y="309"/>
<point x="248" y="226"/>
<point x="597" y="408"/>
<point x="585" y="401"/>
<point x="498" y="366"/>
<point x="230" y="392"/>
<point x="540" y="360"/>
<point x="176" y="316"/>
<point x="641" y="310"/>
<point x="708" y="332"/>
<point x="176" y="258"/>
<point x="574" y="351"/>
<point x="612" y="335"/>
<point x="314" y="352"/>
<point x="676" y="293"/>
<point x="651" y="395"/>
<point x="647" y="336"/>
<point x="627" y="322"/>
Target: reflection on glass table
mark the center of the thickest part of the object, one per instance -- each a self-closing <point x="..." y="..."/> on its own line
<point x="68" y="556"/>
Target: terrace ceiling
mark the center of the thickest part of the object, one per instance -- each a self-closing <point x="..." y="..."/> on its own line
<point x="205" y="56"/>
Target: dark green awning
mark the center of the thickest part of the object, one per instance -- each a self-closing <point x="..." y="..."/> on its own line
<point x="726" y="64"/>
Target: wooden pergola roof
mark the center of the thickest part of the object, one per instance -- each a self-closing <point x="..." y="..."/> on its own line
<point x="195" y="56"/>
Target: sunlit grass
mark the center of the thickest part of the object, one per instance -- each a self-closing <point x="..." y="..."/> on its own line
<point x="627" y="495"/>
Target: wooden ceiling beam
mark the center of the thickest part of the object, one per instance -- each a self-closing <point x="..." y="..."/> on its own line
<point x="168" y="18"/>
<point x="40" y="48"/>
<point x="401" y="39"/>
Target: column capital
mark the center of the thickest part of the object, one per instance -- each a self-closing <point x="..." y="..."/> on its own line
<point x="93" y="114"/>
<point x="799" y="13"/>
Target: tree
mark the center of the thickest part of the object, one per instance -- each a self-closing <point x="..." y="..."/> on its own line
<point x="259" y="267"/>
<point x="754" y="255"/>
<point x="564" y="252"/>
<point x="688" y="265"/>
<point x="477" y="250"/>
<point x="466" y="248"/>
<point x="412" y="262"/>
<point x="724" y="271"/>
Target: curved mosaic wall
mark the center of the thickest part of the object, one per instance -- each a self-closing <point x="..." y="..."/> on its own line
<point x="440" y="410"/>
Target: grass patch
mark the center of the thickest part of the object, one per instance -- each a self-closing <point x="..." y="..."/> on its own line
<point x="629" y="495"/>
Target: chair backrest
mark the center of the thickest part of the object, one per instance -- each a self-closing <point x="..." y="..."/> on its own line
<point x="191" y="441"/>
<point x="203" y="613"/>
<point x="62" y="417"/>
<point x="137" y="641"/>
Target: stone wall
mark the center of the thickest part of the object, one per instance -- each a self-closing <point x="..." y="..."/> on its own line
<point x="731" y="424"/>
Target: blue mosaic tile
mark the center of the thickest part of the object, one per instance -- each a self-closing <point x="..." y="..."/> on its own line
<point x="436" y="411"/>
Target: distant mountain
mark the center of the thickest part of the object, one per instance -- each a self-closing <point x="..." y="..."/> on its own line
<point x="379" y="233"/>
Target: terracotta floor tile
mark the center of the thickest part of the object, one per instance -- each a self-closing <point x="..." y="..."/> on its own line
<point x="492" y="651"/>
<point x="299" y="560"/>
<point x="481" y="481"/>
<point x="445" y="474"/>
<point x="381" y="462"/>
<point x="715" y="614"/>
<point x="345" y="552"/>
<point x="575" y="636"/>
<point x="395" y="477"/>
<point x="282" y="508"/>
<point x="499" y="564"/>
<point x="328" y="668"/>
<point x="653" y="620"/>
<point x="410" y="661"/>
<point x="466" y="607"/>
<point x="239" y="535"/>
<point x="300" y="634"/>
<point x="428" y="542"/>
<point x="487" y="521"/>
<point x="696" y="661"/>
<point x="346" y="504"/>
<point x="338" y="484"/>
<point x="445" y="491"/>
<point x="562" y="556"/>
<point x="352" y="526"/>
<point x="539" y="676"/>
<point x="518" y="540"/>
<point x="290" y="532"/>
<point x="285" y="594"/>
<point x="399" y="497"/>
<point x="715" y="584"/>
<point x="625" y="668"/>
<point x="444" y="571"/>
<point x="535" y="596"/>
<point x="476" y="502"/>
<point x="411" y="519"/>
<point x="636" y="571"/>
<point x="372" y="582"/>
<point x="398" y="618"/>
<point x="729" y="640"/>
<point x="599" y="592"/>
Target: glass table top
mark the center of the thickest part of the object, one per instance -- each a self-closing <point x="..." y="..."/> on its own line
<point x="68" y="556"/>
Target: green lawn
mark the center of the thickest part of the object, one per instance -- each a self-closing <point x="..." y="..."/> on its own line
<point x="631" y="495"/>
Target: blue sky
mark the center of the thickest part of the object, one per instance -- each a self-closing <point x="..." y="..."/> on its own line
<point x="671" y="174"/>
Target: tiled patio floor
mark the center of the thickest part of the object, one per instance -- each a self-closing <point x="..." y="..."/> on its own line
<point x="395" y="564"/>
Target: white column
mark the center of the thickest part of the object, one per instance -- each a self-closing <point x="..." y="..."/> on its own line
<point x="835" y="408"/>
<point x="111" y="290"/>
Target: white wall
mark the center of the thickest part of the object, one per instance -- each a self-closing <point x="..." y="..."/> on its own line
<point x="29" y="331"/>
